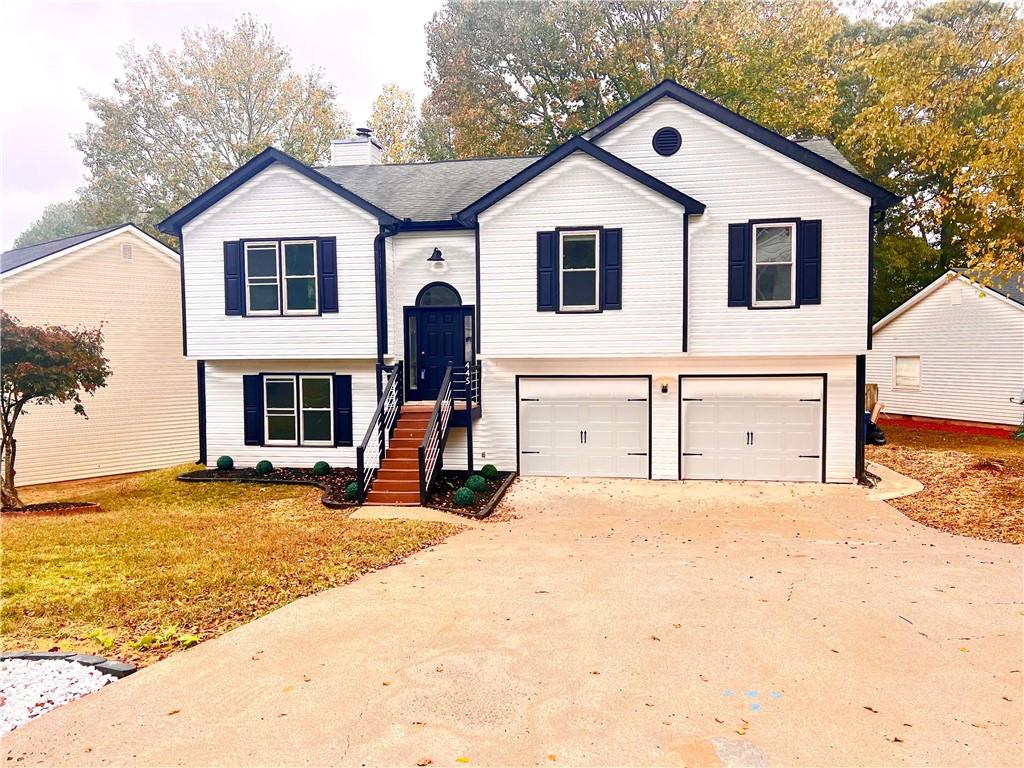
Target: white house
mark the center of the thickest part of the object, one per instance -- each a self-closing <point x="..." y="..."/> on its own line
<point x="679" y="293"/>
<point x="955" y="350"/>
<point x="146" y="415"/>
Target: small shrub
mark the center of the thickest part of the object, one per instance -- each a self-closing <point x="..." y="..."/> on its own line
<point x="489" y="471"/>
<point x="264" y="468"/>
<point x="225" y="463"/>
<point x="321" y="468"/>
<point x="476" y="483"/>
<point x="464" y="497"/>
<point x="103" y="640"/>
<point x="186" y="640"/>
<point x="352" y="491"/>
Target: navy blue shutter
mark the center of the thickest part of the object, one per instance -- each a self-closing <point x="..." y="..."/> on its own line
<point x="327" y="271"/>
<point x="739" y="265"/>
<point x="611" y="269"/>
<point x="808" y="262"/>
<point x="252" y="399"/>
<point x="547" y="271"/>
<point x="234" y="279"/>
<point x="342" y="410"/>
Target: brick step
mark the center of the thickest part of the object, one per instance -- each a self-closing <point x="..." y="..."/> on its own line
<point x="397" y="498"/>
<point x="389" y="484"/>
<point x="398" y="462"/>
<point x="414" y="432"/>
<point x="405" y="453"/>
<point x="422" y="406"/>
<point x="390" y="472"/>
<point x="405" y="442"/>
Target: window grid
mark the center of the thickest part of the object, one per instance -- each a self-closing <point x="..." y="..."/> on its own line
<point x="297" y="411"/>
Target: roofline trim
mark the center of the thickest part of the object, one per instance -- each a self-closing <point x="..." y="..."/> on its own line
<point x="172" y="224"/>
<point x="131" y="228"/>
<point x="880" y="196"/>
<point x="576" y="144"/>
<point x="944" y="279"/>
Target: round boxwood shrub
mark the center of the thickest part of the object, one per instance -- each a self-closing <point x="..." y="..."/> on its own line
<point x="352" y="491"/>
<point x="476" y="483"/>
<point x="321" y="468"/>
<point x="225" y="463"/>
<point x="489" y="471"/>
<point x="464" y="497"/>
<point x="264" y="468"/>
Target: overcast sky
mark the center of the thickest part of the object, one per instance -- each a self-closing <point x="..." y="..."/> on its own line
<point x="50" y="51"/>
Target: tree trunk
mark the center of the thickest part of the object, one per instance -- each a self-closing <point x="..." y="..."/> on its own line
<point x="10" y="500"/>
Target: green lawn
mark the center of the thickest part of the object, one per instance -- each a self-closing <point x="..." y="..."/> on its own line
<point x="168" y="563"/>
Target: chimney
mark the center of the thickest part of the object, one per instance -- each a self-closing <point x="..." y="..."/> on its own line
<point x="361" y="150"/>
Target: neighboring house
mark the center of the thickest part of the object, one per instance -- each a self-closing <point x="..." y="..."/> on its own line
<point x="679" y="293"/>
<point x="955" y="350"/>
<point x="145" y="417"/>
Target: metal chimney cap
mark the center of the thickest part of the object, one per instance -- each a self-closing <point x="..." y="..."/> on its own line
<point x="363" y="132"/>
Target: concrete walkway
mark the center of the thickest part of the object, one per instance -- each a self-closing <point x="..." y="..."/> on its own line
<point x="613" y="623"/>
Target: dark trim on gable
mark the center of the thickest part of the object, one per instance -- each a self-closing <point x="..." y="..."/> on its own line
<point x="875" y="218"/>
<point x="443" y="225"/>
<point x="201" y="392"/>
<point x="172" y="224"/>
<point x="469" y="214"/>
<point x="881" y="197"/>
<point x="476" y="328"/>
<point x="181" y="271"/>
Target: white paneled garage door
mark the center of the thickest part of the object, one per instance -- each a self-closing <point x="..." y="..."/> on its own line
<point x="752" y="428"/>
<point x="580" y="427"/>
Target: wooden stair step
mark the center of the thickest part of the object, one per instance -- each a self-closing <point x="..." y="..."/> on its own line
<point x="402" y="498"/>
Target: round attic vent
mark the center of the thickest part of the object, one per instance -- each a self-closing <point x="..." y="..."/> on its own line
<point x="667" y="141"/>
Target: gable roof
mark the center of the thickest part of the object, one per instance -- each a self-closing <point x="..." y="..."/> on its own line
<point x="172" y="224"/>
<point x="29" y="254"/>
<point x="577" y="144"/>
<point x="1013" y="289"/>
<point x="427" y="191"/>
<point x="817" y="157"/>
<point x="1010" y="293"/>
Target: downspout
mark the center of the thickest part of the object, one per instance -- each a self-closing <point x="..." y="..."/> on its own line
<point x="381" y="305"/>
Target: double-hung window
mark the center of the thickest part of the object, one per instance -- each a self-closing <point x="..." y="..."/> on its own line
<point x="578" y="260"/>
<point x="298" y="409"/>
<point x="774" y="267"/>
<point x="281" y="277"/>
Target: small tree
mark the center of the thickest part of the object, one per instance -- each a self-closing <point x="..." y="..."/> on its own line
<point x="43" y="365"/>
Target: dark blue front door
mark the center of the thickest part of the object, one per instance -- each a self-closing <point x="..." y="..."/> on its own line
<point x="436" y="339"/>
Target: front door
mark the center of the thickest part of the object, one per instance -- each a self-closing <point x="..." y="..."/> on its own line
<point x="436" y="337"/>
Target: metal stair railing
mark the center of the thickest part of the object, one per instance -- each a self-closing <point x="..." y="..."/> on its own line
<point x="374" y="447"/>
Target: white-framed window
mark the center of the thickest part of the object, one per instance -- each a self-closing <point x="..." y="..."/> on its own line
<point x="269" y="264"/>
<point x="262" y="288"/>
<point x="579" y="278"/>
<point x="906" y="371"/>
<point x="300" y="276"/>
<point x="279" y="410"/>
<point x="774" y="265"/>
<point x="298" y="409"/>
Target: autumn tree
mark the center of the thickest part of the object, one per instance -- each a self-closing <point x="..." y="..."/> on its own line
<point x="435" y="137"/>
<point x="42" y="365"/>
<point x="939" y="119"/>
<point x="180" y="120"/>
<point x="395" y="124"/>
<point x="56" y="221"/>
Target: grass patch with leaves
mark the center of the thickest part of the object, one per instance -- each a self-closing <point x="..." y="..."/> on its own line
<point x="168" y="564"/>
<point x="973" y="484"/>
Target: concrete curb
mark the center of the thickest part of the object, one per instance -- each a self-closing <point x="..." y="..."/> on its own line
<point x="892" y="485"/>
<point x="102" y="664"/>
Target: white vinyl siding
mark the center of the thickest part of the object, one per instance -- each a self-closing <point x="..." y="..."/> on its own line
<point x="277" y="204"/>
<point x="494" y="435"/>
<point x="224" y="411"/>
<point x="582" y="192"/>
<point x="740" y="180"/>
<point x="971" y="350"/>
<point x="147" y="415"/>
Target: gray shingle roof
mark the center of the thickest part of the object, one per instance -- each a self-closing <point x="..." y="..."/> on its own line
<point x="426" y="191"/>
<point x="436" y="191"/>
<point x="19" y="257"/>
<point x="829" y="151"/>
<point x="1012" y="288"/>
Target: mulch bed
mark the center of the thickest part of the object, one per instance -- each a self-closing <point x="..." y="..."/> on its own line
<point x="945" y="426"/>
<point x="442" y="496"/>
<point x="53" y="508"/>
<point x="332" y="484"/>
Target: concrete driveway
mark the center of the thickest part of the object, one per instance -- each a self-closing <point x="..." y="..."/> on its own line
<point x="613" y="623"/>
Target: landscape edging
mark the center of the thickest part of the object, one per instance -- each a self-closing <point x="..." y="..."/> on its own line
<point x="101" y="664"/>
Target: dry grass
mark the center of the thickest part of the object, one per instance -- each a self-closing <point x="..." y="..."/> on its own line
<point x="168" y="562"/>
<point x="973" y="484"/>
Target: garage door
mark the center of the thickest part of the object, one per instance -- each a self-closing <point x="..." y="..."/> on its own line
<point x="752" y="428"/>
<point x="581" y="427"/>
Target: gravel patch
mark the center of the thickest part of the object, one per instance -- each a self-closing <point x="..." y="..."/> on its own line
<point x="30" y="688"/>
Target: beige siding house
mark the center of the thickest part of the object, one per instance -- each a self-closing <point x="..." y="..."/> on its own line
<point x="953" y="351"/>
<point x="146" y="416"/>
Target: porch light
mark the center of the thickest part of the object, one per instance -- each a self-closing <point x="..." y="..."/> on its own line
<point x="436" y="255"/>
<point x="436" y="261"/>
<point x="663" y="382"/>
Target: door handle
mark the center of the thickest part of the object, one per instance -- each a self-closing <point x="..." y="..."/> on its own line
<point x="581" y="437"/>
<point x="584" y="436"/>
<point x="751" y="438"/>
